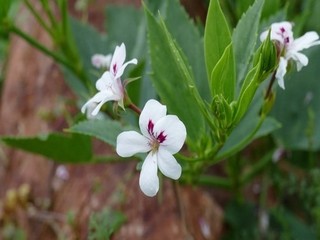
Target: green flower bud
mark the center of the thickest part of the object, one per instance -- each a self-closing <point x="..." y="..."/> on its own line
<point x="267" y="52"/>
<point x="222" y="111"/>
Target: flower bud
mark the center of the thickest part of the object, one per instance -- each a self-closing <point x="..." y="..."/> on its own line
<point x="222" y="111"/>
<point x="267" y="54"/>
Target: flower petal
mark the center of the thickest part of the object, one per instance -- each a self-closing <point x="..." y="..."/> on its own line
<point x="309" y="39"/>
<point x="100" y="98"/>
<point x="130" y="143"/>
<point x="153" y="110"/>
<point x="121" y="68"/>
<point x="168" y="165"/>
<point x="105" y="81"/>
<point x="263" y="36"/>
<point x="149" y="181"/>
<point x="118" y="59"/>
<point x="100" y="60"/>
<point x="300" y="59"/>
<point x="281" y="71"/>
<point x="174" y="131"/>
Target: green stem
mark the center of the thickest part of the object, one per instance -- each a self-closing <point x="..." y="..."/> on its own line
<point x="243" y="142"/>
<point x="209" y="180"/>
<point x="49" y="13"/>
<point x="257" y="168"/>
<point x="78" y="71"/>
<point x="134" y="108"/>
<point x="64" y="16"/>
<point x="38" y="18"/>
<point x="273" y="78"/>
<point x="40" y="47"/>
<point x="204" y="158"/>
<point x="234" y="173"/>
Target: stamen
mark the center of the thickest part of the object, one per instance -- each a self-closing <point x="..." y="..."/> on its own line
<point x="155" y="140"/>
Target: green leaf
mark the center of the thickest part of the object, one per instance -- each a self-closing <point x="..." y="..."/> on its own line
<point x="172" y="78"/>
<point x="66" y="148"/>
<point x="187" y="35"/>
<point x="247" y="92"/>
<point x="244" y="38"/>
<point x="88" y="41"/>
<point x="131" y="20"/>
<point x="247" y="130"/>
<point x="105" y="130"/>
<point x="264" y="62"/>
<point x="223" y="76"/>
<point x="126" y="24"/>
<point x="216" y="36"/>
<point x="103" y="224"/>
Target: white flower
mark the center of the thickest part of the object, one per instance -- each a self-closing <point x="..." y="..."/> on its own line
<point x="101" y="61"/>
<point x="109" y="85"/>
<point x="110" y="89"/>
<point x="117" y="65"/>
<point x="289" y="47"/>
<point x="162" y="136"/>
<point x="90" y="108"/>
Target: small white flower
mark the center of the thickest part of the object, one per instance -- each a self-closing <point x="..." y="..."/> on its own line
<point x="289" y="47"/>
<point x="110" y="89"/>
<point x="162" y="136"/>
<point x="109" y="85"/>
<point x="117" y="65"/>
<point x="101" y="61"/>
<point x="90" y="108"/>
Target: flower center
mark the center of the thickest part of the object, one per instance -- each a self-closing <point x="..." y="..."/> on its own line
<point x="156" y="139"/>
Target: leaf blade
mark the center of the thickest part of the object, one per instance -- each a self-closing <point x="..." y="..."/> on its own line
<point x="216" y="35"/>
<point x="71" y="148"/>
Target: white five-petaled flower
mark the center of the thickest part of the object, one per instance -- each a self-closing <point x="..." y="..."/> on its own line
<point x="101" y="61"/>
<point x="110" y="86"/>
<point x="162" y="136"/>
<point x="289" y="47"/>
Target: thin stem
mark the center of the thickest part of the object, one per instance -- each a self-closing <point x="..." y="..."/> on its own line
<point x="38" y="18"/>
<point x="209" y="180"/>
<point x="273" y="78"/>
<point x="39" y="46"/>
<point x="234" y="172"/>
<point x="243" y="142"/>
<point x="257" y="168"/>
<point x="63" y="10"/>
<point x="49" y="13"/>
<point x="78" y="71"/>
<point x="185" y="158"/>
<point x="134" y="108"/>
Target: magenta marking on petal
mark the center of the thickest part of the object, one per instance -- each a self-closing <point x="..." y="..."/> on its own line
<point x="114" y="67"/>
<point x="287" y="40"/>
<point x="150" y="127"/>
<point x="282" y="29"/>
<point x="161" y="137"/>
